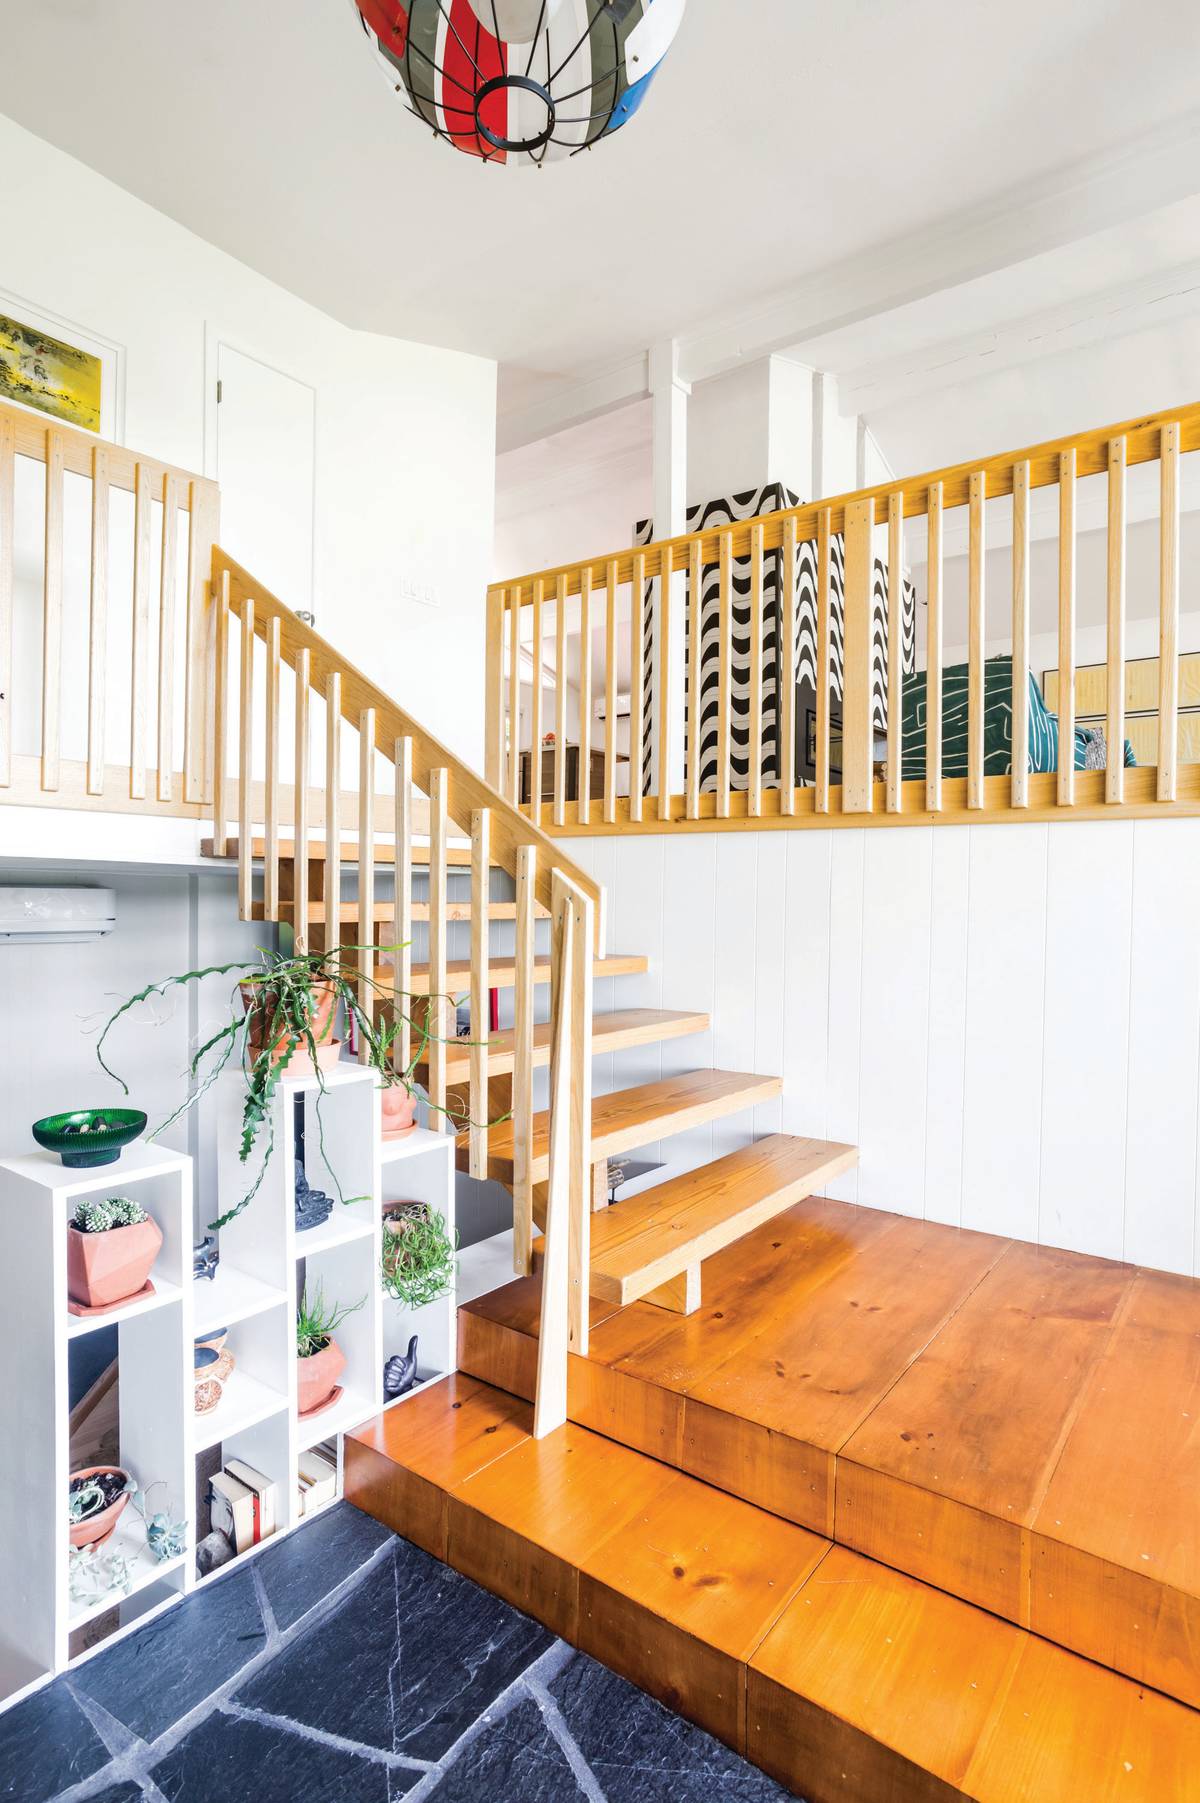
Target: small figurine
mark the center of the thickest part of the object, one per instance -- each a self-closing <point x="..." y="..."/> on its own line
<point x="400" y="1372"/>
<point x="313" y="1206"/>
<point x="206" y="1257"/>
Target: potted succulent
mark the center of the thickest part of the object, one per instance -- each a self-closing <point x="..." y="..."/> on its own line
<point x="111" y="1246"/>
<point x="283" y="1008"/>
<point x="417" y="1263"/>
<point x="320" y="1360"/>
<point x="95" y="1498"/>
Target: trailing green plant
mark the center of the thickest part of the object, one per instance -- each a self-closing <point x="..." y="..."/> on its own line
<point x="417" y="1261"/>
<point x="318" y="1320"/>
<point x="273" y="1013"/>
<point x="113" y="1211"/>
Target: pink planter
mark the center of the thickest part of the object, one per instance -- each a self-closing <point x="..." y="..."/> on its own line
<point x="317" y="1378"/>
<point x="104" y="1269"/>
<point x="398" y="1111"/>
<point x="101" y="1525"/>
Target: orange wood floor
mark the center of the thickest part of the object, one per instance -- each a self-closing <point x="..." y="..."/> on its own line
<point x="846" y="1680"/>
<point x="1017" y="1426"/>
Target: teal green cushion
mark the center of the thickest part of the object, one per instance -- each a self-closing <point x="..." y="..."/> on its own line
<point x="997" y="724"/>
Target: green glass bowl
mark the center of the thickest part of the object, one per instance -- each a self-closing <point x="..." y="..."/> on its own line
<point x="90" y="1136"/>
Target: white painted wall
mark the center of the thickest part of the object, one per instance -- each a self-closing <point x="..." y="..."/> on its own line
<point x="405" y="433"/>
<point x="1004" y="1019"/>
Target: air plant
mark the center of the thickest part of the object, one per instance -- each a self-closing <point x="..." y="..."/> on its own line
<point x="417" y="1261"/>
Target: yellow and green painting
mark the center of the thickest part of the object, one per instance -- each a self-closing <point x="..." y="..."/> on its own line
<point x="43" y="372"/>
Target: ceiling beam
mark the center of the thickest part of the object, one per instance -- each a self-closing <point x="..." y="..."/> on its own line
<point x="573" y="404"/>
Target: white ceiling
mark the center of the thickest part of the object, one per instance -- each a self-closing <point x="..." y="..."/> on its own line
<point x="783" y="137"/>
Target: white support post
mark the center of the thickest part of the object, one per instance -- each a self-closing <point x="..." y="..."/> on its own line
<point x="670" y="408"/>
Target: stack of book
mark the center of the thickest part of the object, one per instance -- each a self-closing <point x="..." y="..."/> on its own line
<point x="242" y="1505"/>
<point x="318" y="1480"/>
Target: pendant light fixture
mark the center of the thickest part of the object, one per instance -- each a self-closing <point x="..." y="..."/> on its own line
<point x="524" y="81"/>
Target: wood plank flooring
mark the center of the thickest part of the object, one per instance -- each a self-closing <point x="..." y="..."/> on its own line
<point x="844" y="1679"/>
<point x="1016" y="1425"/>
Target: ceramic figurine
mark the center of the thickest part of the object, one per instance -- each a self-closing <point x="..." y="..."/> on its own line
<point x="313" y="1206"/>
<point x="206" y="1257"/>
<point x="400" y="1372"/>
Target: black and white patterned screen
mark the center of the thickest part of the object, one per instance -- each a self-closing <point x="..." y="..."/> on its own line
<point x="734" y="510"/>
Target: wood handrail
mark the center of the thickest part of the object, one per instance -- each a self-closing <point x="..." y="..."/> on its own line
<point x="1141" y="435"/>
<point x="467" y="792"/>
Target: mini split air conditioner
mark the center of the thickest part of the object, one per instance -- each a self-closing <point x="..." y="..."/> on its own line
<point x="56" y="916"/>
<point x="624" y="708"/>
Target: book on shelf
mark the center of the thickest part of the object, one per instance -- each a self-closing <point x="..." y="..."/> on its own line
<point x="237" y="1508"/>
<point x="317" y="1479"/>
<point x="264" y="1490"/>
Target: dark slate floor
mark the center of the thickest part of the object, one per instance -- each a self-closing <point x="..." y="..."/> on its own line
<point x="345" y="1666"/>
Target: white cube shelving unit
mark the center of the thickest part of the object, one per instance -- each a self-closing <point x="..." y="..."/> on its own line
<point x="264" y="1263"/>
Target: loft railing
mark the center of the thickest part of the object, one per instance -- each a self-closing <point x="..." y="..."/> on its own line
<point x="811" y="609"/>
<point x="125" y="628"/>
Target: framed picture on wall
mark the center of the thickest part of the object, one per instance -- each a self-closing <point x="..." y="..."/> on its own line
<point x="51" y="366"/>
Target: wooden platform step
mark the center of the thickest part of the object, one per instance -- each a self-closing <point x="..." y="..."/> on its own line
<point x="634" y="1117"/>
<point x="654" y="1236"/>
<point x="847" y="1681"/>
<point x="502" y="972"/>
<point x="1014" y="1424"/>
<point x="615" y="1032"/>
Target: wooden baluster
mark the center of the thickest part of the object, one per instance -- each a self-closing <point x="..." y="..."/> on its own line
<point x="755" y="747"/>
<point x="493" y="751"/>
<point x="666" y="698"/>
<point x="522" y="1079"/>
<point x="98" y="622"/>
<point x="583" y="809"/>
<point x="333" y="810"/>
<point x="514" y="697"/>
<point x="1168" y="619"/>
<point x="203" y="511"/>
<point x="550" y="1402"/>
<point x="440" y="1014"/>
<point x="1066" y="629"/>
<point x="895" y="617"/>
<point x="52" y="608"/>
<point x="976" y="639"/>
<point x="300" y="804"/>
<point x="402" y="955"/>
<point x="637" y="685"/>
<point x="535" y="712"/>
<point x="933" y="652"/>
<point x="220" y="748"/>
<point x="1114" y="763"/>
<point x="8" y="445"/>
<point x="141" y="634"/>
<point x="824" y="661"/>
<point x="245" y="765"/>
<point x="271" y="791"/>
<point x="785" y="700"/>
<point x="560" y="703"/>
<point x="366" y="868"/>
<point x="858" y="609"/>
<point x="724" y="671"/>
<point x="695" y="605"/>
<point x="481" y="868"/>
<point x="167" y="581"/>
<point x="580" y="1102"/>
<point x="1020" y="637"/>
<point x="610" y="695"/>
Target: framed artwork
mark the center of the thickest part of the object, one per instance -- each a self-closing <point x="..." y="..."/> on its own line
<point x="57" y="368"/>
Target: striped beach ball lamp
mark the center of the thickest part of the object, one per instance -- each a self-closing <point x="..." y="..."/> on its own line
<point x="521" y="81"/>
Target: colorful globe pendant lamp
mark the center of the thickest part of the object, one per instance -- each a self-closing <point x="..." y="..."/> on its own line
<point x="521" y="81"/>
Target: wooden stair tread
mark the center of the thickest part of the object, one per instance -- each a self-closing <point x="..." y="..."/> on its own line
<point x="1012" y="1424"/>
<point x="502" y="972"/>
<point x="633" y="1117"/>
<point x="642" y="1242"/>
<point x="613" y="1032"/>
<point x="842" y="1678"/>
<point x="384" y="912"/>
<point x="458" y="851"/>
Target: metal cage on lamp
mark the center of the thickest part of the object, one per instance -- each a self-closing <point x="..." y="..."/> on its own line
<point x="521" y="81"/>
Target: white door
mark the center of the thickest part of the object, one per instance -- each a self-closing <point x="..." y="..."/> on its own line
<point x="266" y="447"/>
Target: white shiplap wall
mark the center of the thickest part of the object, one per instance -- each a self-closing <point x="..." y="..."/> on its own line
<point x="1004" y="1019"/>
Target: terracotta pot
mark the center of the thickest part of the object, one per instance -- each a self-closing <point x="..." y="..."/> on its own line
<point x="100" y="1525"/>
<point x="260" y="1002"/>
<point x="317" y="1376"/>
<point x="398" y="1112"/>
<point x="300" y="1064"/>
<point x="104" y="1269"/>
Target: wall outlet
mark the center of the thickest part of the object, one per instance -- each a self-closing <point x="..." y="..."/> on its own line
<point x="424" y="592"/>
